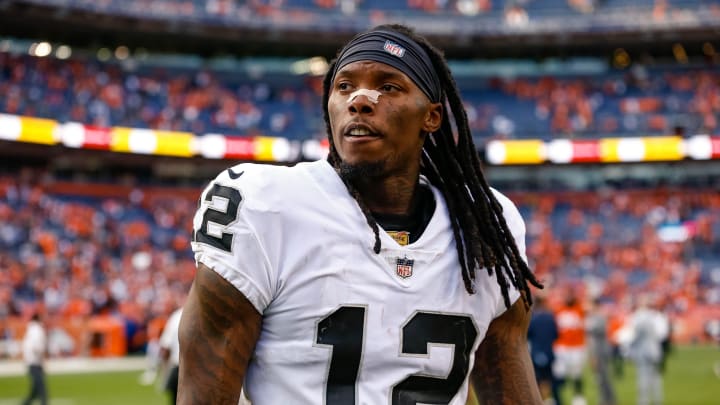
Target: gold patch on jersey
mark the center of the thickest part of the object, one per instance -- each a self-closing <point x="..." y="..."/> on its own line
<point x="401" y="237"/>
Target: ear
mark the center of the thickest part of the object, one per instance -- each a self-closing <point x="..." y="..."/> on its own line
<point x="433" y="118"/>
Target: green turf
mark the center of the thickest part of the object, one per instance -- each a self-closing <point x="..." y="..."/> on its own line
<point x="689" y="380"/>
<point x="117" y="388"/>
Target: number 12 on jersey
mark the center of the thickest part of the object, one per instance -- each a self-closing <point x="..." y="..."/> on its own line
<point x="344" y="331"/>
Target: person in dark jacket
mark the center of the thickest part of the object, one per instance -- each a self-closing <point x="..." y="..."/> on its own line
<point x="542" y="333"/>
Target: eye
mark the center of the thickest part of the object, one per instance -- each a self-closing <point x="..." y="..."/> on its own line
<point x="343" y="86"/>
<point x="389" y="87"/>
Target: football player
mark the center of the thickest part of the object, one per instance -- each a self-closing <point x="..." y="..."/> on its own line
<point x="390" y="273"/>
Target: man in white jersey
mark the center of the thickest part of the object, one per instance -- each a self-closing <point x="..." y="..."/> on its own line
<point x="390" y="273"/>
<point x="34" y="347"/>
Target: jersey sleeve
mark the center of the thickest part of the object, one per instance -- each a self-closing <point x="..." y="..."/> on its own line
<point x="225" y="238"/>
<point x="517" y="227"/>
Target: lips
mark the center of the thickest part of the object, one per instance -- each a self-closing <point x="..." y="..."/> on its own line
<point x="360" y="131"/>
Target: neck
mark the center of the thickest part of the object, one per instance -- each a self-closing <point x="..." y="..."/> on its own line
<point x="392" y="195"/>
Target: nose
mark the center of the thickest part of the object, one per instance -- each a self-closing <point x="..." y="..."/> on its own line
<point x="361" y="104"/>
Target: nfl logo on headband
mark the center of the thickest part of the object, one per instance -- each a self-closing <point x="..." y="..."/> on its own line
<point x="394" y="49"/>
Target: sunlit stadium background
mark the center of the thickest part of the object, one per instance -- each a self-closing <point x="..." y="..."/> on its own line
<point x="600" y="118"/>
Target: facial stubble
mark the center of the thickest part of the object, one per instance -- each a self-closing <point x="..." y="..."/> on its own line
<point x="361" y="170"/>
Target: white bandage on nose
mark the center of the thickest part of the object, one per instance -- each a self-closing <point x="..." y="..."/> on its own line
<point x="371" y="95"/>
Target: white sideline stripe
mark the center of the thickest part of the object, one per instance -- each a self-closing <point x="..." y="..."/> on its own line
<point x="76" y="365"/>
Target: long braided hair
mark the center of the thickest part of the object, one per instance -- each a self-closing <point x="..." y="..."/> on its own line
<point x="482" y="236"/>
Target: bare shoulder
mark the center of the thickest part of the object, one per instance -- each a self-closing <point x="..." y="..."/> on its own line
<point x="503" y="372"/>
<point x="218" y="332"/>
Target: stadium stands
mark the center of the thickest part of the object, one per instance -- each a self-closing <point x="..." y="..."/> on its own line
<point x="657" y="100"/>
<point x="89" y="253"/>
<point x="332" y="11"/>
<point x="108" y="94"/>
<point x="90" y="257"/>
<point x="95" y="256"/>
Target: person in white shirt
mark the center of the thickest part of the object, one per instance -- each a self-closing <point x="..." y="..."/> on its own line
<point x="34" y="348"/>
<point x="648" y="328"/>
<point x="170" y="353"/>
<point x="390" y="273"/>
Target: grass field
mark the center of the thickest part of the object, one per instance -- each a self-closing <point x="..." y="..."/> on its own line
<point x="116" y="388"/>
<point x="689" y="380"/>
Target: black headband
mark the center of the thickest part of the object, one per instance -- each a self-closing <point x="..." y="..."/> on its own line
<point x="397" y="50"/>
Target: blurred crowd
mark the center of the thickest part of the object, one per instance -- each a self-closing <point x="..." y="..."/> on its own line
<point x="682" y="100"/>
<point x="112" y="266"/>
<point x="107" y="94"/>
<point x="641" y="100"/>
<point x="617" y="245"/>
<point x="105" y="271"/>
<point x="515" y="12"/>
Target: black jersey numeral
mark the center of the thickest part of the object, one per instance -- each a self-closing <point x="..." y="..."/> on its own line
<point x="222" y="211"/>
<point x="424" y="329"/>
<point x="344" y="331"/>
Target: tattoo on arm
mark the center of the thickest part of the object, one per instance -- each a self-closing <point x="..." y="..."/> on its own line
<point x="489" y="381"/>
<point x="218" y="332"/>
<point x="503" y="372"/>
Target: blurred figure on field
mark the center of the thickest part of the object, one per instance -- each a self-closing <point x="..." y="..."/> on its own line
<point x="648" y="327"/>
<point x="599" y="351"/>
<point x="170" y="353"/>
<point x="570" y="346"/>
<point x="712" y="329"/>
<point x="34" y="348"/>
<point x="616" y="325"/>
<point x="152" y="351"/>
<point x="542" y="334"/>
<point x="666" y="344"/>
<point x="162" y="309"/>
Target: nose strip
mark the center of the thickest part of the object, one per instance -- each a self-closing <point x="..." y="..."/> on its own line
<point x="371" y="95"/>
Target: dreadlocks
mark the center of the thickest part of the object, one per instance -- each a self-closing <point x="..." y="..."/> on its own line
<point x="482" y="236"/>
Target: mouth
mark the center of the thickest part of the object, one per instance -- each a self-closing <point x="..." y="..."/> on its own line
<point x="360" y="132"/>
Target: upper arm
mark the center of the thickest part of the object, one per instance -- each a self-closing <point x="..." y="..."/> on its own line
<point x="503" y="371"/>
<point x="218" y="332"/>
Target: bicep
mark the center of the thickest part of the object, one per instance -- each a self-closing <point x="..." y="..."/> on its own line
<point x="503" y="371"/>
<point x="218" y="332"/>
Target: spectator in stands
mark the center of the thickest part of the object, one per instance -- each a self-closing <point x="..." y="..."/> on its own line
<point x="516" y="16"/>
<point x="34" y="348"/>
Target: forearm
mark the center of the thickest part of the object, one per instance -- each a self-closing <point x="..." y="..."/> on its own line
<point x="503" y="372"/>
<point x="218" y="332"/>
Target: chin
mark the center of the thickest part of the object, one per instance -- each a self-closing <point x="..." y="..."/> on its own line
<point x="356" y="170"/>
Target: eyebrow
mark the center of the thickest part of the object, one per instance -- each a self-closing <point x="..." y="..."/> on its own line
<point x="379" y="74"/>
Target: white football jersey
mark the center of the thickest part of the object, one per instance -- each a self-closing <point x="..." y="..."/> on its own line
<point x="341" y="324"/>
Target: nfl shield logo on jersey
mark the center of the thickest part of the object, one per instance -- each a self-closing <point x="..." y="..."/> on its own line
<point x="404" y="267"/>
